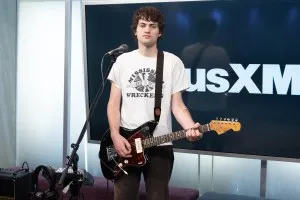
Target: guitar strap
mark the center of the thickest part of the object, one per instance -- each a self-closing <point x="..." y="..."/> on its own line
<point x="158" y="85"/>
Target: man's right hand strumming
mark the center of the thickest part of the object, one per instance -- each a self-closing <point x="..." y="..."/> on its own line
<point x="122" y="146"/>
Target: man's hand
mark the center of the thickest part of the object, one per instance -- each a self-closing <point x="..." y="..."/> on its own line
<point x="122" y="146"/>
<point x="193" y="134"/>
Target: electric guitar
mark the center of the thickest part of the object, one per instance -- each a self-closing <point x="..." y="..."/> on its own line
<point x="140" y="139"/>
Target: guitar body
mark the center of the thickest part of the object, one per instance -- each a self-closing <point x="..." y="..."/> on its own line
<point x="112" y="164"/>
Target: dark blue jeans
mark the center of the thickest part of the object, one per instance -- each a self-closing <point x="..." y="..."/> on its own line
<point x="157" y="173"/>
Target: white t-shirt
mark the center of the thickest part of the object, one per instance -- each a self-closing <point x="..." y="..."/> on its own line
<point x="134" y="75"/>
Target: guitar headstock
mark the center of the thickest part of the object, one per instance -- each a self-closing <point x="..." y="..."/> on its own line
<point x="223" y="125"/>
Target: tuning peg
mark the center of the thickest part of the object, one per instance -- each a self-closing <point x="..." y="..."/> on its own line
<point x="236" y="119"/>
<point x="228" y="119"/>
<point x="216" y="118"/>
<point x="221" y="118"/>
<point x="232" y="119"/>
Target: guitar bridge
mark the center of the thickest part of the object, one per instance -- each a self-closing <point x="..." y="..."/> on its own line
<point x="111" y="153"/>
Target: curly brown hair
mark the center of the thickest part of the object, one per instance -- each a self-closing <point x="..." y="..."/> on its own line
<point x="148" y="13"/>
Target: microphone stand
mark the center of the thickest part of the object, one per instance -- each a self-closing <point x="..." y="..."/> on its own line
<point x="73" y="158"/>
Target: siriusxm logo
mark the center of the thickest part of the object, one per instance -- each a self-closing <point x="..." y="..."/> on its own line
<point x="273" y="80"/>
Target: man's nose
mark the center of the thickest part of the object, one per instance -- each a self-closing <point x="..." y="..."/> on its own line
<point x="147" y="29"/>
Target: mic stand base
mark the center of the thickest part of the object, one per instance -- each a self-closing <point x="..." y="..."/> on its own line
<point x="75" y="190"/>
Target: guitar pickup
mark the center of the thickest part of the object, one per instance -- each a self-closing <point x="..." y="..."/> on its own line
<point x="138" y="145"/>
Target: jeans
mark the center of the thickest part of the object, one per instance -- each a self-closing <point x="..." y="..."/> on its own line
<point x="157" y="173"/>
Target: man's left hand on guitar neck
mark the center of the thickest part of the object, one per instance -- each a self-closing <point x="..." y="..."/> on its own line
<point x="194" y="134"/>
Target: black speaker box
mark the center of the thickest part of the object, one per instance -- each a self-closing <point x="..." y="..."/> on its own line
<point x="15" y="184"/>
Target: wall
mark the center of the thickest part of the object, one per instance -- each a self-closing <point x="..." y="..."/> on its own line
<point x="8" y="68"/>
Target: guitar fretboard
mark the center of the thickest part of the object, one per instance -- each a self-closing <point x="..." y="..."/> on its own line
<point x="154" y="141"/>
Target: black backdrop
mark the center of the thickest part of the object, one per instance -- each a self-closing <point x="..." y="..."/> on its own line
<point x="256" y="32"/>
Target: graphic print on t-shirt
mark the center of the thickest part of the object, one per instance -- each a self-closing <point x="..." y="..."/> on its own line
<point x="143" y="80"/>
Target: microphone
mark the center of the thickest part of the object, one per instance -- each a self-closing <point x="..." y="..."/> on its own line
<point x="118" y="51"/>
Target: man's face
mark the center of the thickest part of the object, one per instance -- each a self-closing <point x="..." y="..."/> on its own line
<point x="147" y="32"/>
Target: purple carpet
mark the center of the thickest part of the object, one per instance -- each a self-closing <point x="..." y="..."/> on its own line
<point x="100" y="191"/>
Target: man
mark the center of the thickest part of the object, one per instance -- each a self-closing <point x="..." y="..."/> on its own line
<point x="133" y="79"/>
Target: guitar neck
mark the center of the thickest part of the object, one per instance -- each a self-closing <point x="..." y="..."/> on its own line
<point x="154" y="141"/>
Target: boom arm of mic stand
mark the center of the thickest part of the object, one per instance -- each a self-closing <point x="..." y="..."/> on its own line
<point x="73" y="158"/>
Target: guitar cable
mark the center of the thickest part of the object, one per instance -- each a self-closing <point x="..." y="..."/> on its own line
<point x="115" y="163"/>
<point x="120" y="167"/>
